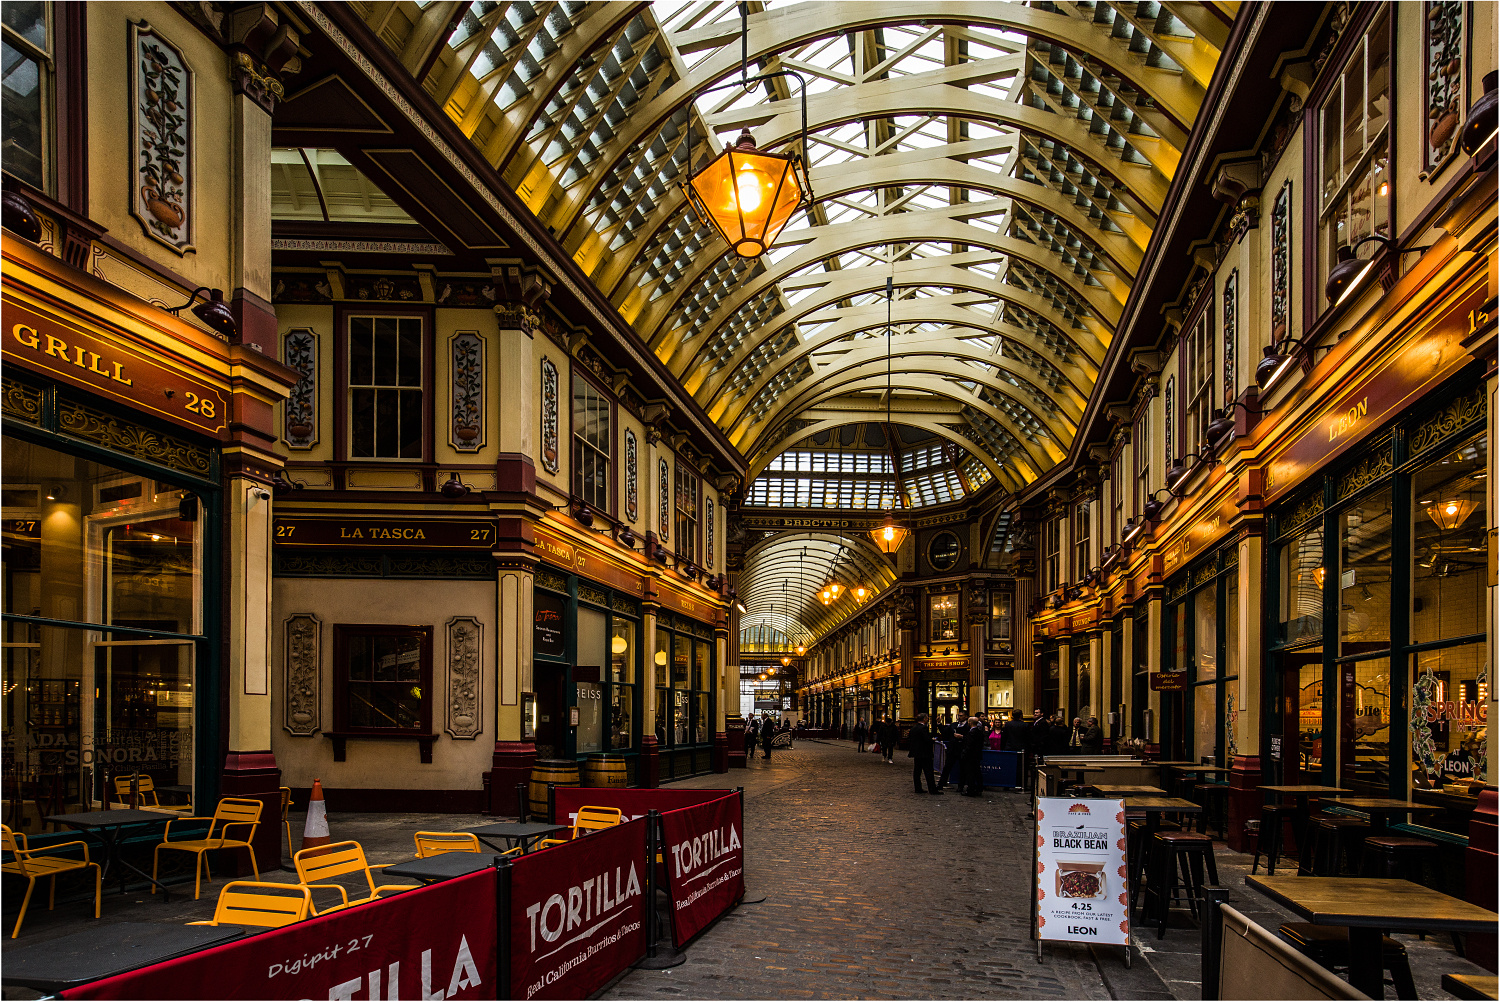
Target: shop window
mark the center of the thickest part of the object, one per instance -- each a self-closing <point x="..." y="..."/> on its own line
<point x="943" y="614"/>
<point x="1449" y="546"/>
<point x="133" y="564"/>
<point x="1000" y="613"/>
<point x="1353" y="165"/>
<point x="591" y="441"/>
<point x="1117" y="495"/>
<point x="604" y="680"/>
<point x="27" y="135"/>
<point x="383" y="679"/>
<point x="385" y="388"/>
<point x="1302" y="576"/>
<point x="1206" y="702"/>
<point x="684" y="689"/>
<point x="1365" y="725"/>
<point x="1142" y="442"/>
<point x="687" y="512"/>
<point x="1081" y="562"/>
<point x="1364" y="584"/>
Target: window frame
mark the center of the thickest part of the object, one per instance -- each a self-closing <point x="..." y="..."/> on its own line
<point x="1196" y="362"/>
<point x="933" y="597"/>
<point x="662" y="682"/>
<point x="1082" y="537"/>
<point x="46" y="59"/>
<point x="342" y="633"/>
<point x="1141" y="448"/>
<point x="577" y="442"/>
<point x="688" y="544"/>
<point x="344" y="413"/>
<point x="1052" y="552"/>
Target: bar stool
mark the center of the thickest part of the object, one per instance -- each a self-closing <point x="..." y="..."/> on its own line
<point x="1331" y="842"/>
<point x="1397" y="857"/>
<point x="1185" y="852"/>
<point x="1328" y="945"/>
<point x="1273" y="817"/>
<point x="1214" y="798"/>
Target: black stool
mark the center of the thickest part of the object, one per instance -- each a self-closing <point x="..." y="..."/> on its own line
<point x="1396" y="857"/>
<point x="1328" y="945"/>
<point x="1189" y="853"/>
<point x="1273" y="817"/>
<point x="1139" y="855"/>
<point x="1331" y="843"/>
<point x="1214" y="798"/>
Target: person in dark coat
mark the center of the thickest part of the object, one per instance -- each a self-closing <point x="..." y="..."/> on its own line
<point x="919" y="747"/>
<point x="1058" y="735"/>
<point x="1016" y="734"/>
<point x="1093" y="737"/>
<point x="970" y="783"/>
<point x="890" y="734"/>
<point x="1036" y="746"/>
<point x="952" y="743"/>
<point x="860" y="734"/>
<point x="767" y="735"/>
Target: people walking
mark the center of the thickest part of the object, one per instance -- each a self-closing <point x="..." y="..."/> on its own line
<point x="767" y="735"/>
<point x="919" y="747"/>
<point x="970" y="783"/>
<point x="889" y="740"/>
<point x="861" y="734"/>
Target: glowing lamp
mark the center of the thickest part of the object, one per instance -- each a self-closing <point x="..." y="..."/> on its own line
<point x="748" y="196"/>
<point x="661" y="657"/>
<point x="1449" y="515"/>
<point x="618" y="645"/>
<point x="889" y="536"/>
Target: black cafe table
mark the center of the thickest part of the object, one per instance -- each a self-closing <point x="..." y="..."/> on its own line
<point x="105" y="949"/>
<point x="107" y="826"/>
<point x="444" y="866"/>
<point x="522" y="833"/>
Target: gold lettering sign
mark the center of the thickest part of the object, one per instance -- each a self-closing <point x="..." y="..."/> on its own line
<point x="1341" y="424"/>
<point x="429" y="534"/>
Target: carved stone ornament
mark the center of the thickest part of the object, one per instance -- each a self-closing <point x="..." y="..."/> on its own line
<point x="708" y="534"/>
<point x="300" y="347"/>
<point x="161" y="138"/>
<point x="464" y="669"/>
<point x="303" y="688"/>
<point x="467" y="387"/>
<point x="664" y="499"/>
<point x="551" y="460"/>
<point x="632" y="476"/>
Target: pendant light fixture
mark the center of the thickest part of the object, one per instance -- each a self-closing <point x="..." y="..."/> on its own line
<point x="889" y="535"/>
<point x="1451" y="514"/>
<point x="748" y="195"/>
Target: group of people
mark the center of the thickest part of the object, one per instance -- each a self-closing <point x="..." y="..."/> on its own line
<point x="762" y="731"/>
<point x="883" y="735"/>
<point x="965" y="739"/>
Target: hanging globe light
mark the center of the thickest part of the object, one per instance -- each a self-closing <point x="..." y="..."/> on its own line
<point x="748" y="196"/>
<point x="889" y="536"/>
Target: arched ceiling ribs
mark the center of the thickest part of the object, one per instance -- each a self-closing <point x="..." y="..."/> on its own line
<point x="928" y="376"/>
<point x="722" y="396"/>
<point x="820" y="243"/>
<point x="940" y="425"/>
<point x="974" y="363"/>
<point x="780" y="581"/>
<point x="943" y="275"/>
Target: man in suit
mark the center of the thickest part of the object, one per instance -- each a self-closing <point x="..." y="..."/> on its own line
<point x="970" y="783"/>
<point x="919" y="747"/>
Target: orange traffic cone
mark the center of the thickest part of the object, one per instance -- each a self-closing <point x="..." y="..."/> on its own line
<point x="315" y="832"/>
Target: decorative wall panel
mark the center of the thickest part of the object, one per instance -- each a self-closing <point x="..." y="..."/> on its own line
<point x="466" y="430"/>
<point x="1169" y="408"/>
<point x="632" y="476"/>
<point x="302" y="692"/>
<point x="300" y="349"/>
<point x="1231" y="333"/>
<point x="550" y="458"/>
<point x="1445" y="69"/>
<point x="664" y="499"/>
<point x="1281" y="261"/>
<point x="708" y="533"/>
<point x="161" y="138"/>
<point x="465" y="661"/>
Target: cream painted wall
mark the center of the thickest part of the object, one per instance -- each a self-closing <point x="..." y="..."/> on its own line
<point x="384" y="764"/>
<point x="113" y="179"/>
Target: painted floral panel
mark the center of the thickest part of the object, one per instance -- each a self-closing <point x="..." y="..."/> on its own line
<point x="161" y="138"/>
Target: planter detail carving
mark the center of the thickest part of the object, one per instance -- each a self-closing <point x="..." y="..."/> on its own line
<point x="550" y="457"/>
<point x="303" y="674"/>
<point x="464" y="663"/>
<point x="161" y="138"/>
<point x="301" y="352"/>
<point x="467" y="360"/>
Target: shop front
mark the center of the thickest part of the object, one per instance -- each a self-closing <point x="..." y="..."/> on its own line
<point x="943" y="689"/>
<point x="686" y="697"/>
<point x="1380" y="677"/>
<point x="1201" y="636"/>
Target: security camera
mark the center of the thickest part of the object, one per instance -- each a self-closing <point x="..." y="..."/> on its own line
<point x="261" y="493"/>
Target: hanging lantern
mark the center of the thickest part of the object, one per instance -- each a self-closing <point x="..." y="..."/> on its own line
<point x="825" y="596"/>
<point x="749" y="196"/>
<point x="889" y="536"/>
<point x="835" y="587"/>
<point x="861" y="593"/>
<point x="1449" y="515"/>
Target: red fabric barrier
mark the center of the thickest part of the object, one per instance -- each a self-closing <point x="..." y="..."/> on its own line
<point x="439" y="940"/>
<point x="705" y="863"/>
<point x="578" y="914"/>
<point x="633" y="803"/>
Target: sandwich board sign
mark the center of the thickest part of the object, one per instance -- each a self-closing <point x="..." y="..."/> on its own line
<point x="1081" y="891"/>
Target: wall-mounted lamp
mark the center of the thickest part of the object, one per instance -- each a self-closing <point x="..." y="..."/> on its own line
<point x="1349" y="272"/>
<point x="212" y="311"/>
<point x="1279" y="360"/>
<point x="1480" y="127"/>
<point x="1222" y="424"/>
<point x="17" y="216"/>
<point x="453" y="488"/>
<point x="1181" y="470"/>
<point x="57" y="492"/>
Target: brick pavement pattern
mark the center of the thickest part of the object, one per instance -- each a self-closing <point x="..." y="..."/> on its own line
<point x="873" y="892"/>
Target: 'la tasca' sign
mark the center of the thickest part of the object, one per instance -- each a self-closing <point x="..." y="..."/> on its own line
<point x="1081" y="892"/>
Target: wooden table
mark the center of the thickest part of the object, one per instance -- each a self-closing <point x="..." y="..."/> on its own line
<point x="1471" y="986"/>
<point x="443" y="866"/>
<point x="1114" y="790"/>
<point x="1299" y="822"/>
<point x="1369" y="908"/>
<point x="1154" y="808"/>
<point x="107" y="826"/>
<point x="521" y="833"/>
<point x="1164" y="770"/>
<point x="1380" y="809"/>
<point x="104" y="950"/>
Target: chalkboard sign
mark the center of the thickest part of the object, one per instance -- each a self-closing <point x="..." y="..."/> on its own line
<point x="548" y="640"/>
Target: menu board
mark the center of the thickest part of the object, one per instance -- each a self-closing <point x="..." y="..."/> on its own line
<point x="1081" y="892"/>
<point x="548" y="640"/>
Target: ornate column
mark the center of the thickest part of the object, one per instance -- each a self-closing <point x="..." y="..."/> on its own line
<point x="648" y="772"/>
<point x="719" y="757"/>
<point x="1095" y="705"/>
<point x="1242" y="730"/>
<point x="907" y="624"/>
<point x="1155" y="609"/>
<point x="515" y="751"/>
<point x="1065" y="676"/>
<point x="978" y="617"/>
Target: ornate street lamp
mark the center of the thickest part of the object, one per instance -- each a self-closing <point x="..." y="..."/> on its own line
<point x="749" y="195"/>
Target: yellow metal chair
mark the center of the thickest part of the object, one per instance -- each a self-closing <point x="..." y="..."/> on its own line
<point x="249" y="902"/>
<point x="233" y="812"/>
<point x="147" y="791"/>
<point x="34" y="864"/>
<point x="590" y="819"/>
<point x="286" y="814"/>
<point x="437" y="843"/>
<point x="325" y="862"/>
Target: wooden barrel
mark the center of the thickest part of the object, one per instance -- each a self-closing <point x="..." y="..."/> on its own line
<point x="549" y="772"/>
<point x="605" y="771"/>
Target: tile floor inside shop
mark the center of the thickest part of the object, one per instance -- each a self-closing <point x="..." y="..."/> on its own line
<point x="870" y="892"/>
